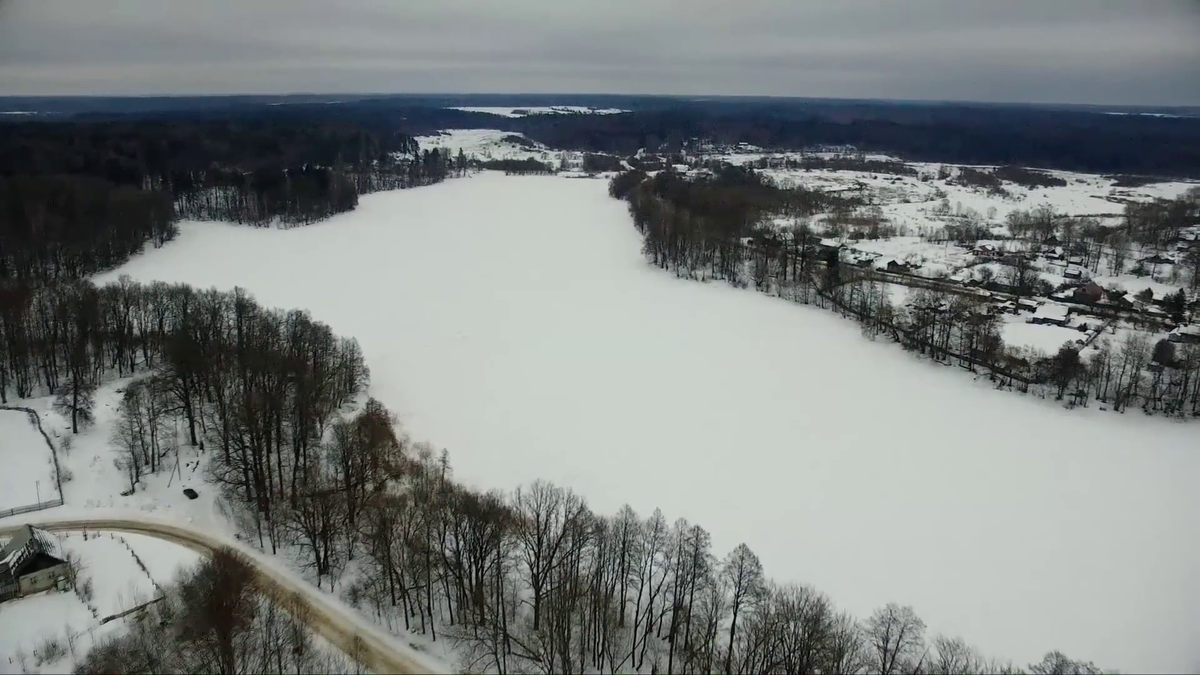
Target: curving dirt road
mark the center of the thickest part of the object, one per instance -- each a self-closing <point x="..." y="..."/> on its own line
<point x="378" y="651"/>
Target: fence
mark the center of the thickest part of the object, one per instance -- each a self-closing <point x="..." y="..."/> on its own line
<point x="36" y="420"/>
<point x="31" y="508"/>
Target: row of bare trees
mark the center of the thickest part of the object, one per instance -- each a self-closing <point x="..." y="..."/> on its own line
<point x="261" y="385"/>
<point x="529" y="581"/>
<point x="535" y="581"/>
<point x="711" y="228"/>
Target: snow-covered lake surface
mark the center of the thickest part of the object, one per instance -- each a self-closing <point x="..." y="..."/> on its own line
<point x="514" y="322"/>
<point x="28" y="468"/>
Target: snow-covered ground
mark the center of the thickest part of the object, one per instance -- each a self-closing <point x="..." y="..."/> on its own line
<point x="541" y="110"/>
<point x="522" y="330"/>
<point x="487" y="144"/>
<point x="118" y="584"/>
<point x="107" y="565"/>
<point x="1016" y="331"/>
<point x="28" y="465"/>
<point x="164" y="560"/>
<point x="27" y="623"/>
<point x="92" y="479"/>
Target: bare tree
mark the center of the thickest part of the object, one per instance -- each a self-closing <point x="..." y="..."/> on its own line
<point x="1057" y="663"/>
<point x="953" y="656"/>
<point x="220" y="605"/>
<point x="743" y="574"/>
<point x="895" y="638"/>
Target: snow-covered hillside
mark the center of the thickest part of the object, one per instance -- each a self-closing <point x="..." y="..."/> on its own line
<point x="514" y="321"/>
<point x="486" y="144"/>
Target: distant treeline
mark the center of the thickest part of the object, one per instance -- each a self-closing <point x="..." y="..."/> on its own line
<point x="711" y="227"/>
<point x="1073" y="141"/>
<point x="1067" y="138"/>
<point x="80" y="197"/>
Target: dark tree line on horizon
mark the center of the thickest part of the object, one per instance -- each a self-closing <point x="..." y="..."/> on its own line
<point x="1079" y="139"/>
<point x="80" y="198"/>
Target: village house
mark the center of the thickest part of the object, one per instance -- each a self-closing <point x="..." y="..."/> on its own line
<point x="1051" y="314"/>
<point x="853" y="256"/>
<point x="1073" y="272"/>
<point x="1189" y="334"/>
<point x="30" y="563"/>
<point x="986" y="251"/>
<point x="1156" y="259"/>
<point x="1027" y="305"/>
<point x="1006" y="307"/>
<point x="1089" y="292"/>
<point x="1119" y="298"/>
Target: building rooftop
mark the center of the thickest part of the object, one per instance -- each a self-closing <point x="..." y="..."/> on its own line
<point x="1052" y="310"/>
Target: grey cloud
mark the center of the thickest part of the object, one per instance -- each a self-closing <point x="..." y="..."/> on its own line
<point x="1087" y="51"/>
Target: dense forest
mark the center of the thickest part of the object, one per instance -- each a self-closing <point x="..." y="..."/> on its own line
<point x="1067" y="141"/>
<point x="1074" y="138"/>
<point x="76" y="198"/>
<point x="711" y="227"/>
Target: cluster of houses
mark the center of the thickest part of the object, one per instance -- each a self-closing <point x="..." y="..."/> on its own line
<point x="31" y="563"/>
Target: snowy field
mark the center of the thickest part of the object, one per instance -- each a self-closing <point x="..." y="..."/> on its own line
<point x="118" y="583"/>
<point x="1018" y="332"/>
<point x="28" y="466"/>
<point x="164" y="560"/>
<point x="487" y="144"/>
<point x="520" y="328"/>
<point x="26" y="623"/>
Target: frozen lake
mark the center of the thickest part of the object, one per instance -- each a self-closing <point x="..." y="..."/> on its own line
<point x="514" y="322"/>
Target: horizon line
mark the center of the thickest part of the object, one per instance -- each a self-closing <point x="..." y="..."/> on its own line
<point x="693" y="97"/>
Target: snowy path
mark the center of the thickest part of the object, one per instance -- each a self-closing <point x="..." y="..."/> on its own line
<point x="338" y="625"/>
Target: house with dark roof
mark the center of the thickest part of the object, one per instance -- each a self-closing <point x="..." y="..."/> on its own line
<point x="1089" y="292"/>
<point x="30" y="563"/>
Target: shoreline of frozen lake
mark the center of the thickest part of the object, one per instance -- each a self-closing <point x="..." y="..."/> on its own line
<point x="514" y="322"/>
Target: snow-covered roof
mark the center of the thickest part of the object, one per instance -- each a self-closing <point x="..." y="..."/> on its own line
<point x="1052" y="310"/>
<point x="23" y="539"/>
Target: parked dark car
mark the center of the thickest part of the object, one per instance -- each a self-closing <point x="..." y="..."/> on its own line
<point x="190" y="493"/>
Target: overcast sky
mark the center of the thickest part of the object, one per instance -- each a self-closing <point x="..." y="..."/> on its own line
<point x="1067" y="51"/>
